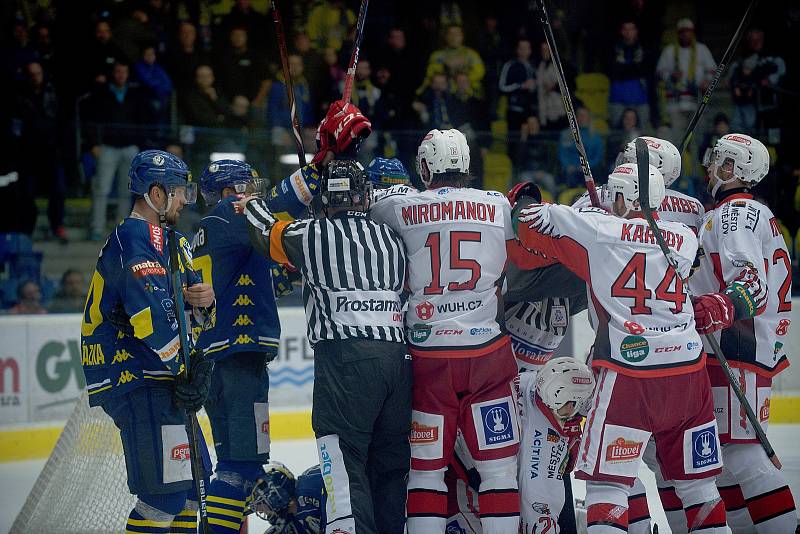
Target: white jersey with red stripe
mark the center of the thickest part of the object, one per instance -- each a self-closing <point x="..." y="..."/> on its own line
<point x="456" y="244"/>
<point x="742" y="242"/>
<point x="638" y="306"/>
<point x="676" y="207"/>
<point x="536" y="330"/>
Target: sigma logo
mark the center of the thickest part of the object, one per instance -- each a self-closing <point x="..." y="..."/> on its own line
<point x="423" y="434"/>
<point x="652" y="143"/>
<point x="265" y="427"/>
<point x="581" y="380"/>
<point x="623" y="170"/>
<point x="425" y="310"/>
<point x="738" y="139"/>
<point x="622" y="450"/>
<point x="633" y="328"/>
<point x="157" y="237"/>
<point x="181" y="452"/>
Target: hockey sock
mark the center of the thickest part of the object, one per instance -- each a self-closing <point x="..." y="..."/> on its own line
<point x="184" y="523"/>
<point x="702" y="505"/>
<point x="736" y="512"/>
<point x="427" y="501"/>
<point x="673" y="509"/>
<point x="773" y="511"/>
<point x="638" y="513"/>
<point x="606" y="507"/>
<point x="145" y="519"/>
<point x="225" y="506"/>
<point x="498" y="496"/>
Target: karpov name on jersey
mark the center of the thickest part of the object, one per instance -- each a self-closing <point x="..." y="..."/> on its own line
<point x="639" y="233"/>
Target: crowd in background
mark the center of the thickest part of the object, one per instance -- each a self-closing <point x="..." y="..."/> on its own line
<point x="94" y="82"/>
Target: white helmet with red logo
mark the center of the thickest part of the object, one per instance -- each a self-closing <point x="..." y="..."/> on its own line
<point x="562" y="380"/>
<point x="664" y="156"/>
<point x="442" y="151"/>
<point x="748" y="156"/>
<point x="625" y="180"/>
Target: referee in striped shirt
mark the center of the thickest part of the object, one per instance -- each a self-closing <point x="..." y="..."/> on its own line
<point x="354" y="271"/>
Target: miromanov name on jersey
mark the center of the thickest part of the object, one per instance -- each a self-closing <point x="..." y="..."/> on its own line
<point x="638" y="233"/>
<point x="450" y="210"/>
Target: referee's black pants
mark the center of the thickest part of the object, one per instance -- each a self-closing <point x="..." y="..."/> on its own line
<point x="362" y="419"/>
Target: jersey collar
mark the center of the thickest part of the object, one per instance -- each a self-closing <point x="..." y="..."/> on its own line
<point x="548" y="413"/>
<point x="733" y="194"/>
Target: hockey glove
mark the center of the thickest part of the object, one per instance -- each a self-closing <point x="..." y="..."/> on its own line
<point x="341" y="131"/>
<point x="524" y="189"/>
<point x="537" y="217"/>
<point x="191" y="392"/>
<point x="712" y="312"/>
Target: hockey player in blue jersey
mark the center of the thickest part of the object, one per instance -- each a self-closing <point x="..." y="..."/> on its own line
<point x="130" y="345"/>
<point x="243" y="339"/>
<point x="291" y="506"/>
<point x="387" y="172"/>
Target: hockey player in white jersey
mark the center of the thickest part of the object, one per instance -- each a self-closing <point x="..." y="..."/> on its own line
<point x="645" y="349"/>
<point x="746" y="273"/>
<point x="456" y="239"/>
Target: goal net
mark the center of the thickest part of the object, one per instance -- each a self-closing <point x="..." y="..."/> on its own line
<point x="83" y="486"/>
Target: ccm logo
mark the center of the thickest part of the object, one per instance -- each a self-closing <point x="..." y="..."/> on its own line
<point x="180" y="452"/>
<point x="669" y="349"/>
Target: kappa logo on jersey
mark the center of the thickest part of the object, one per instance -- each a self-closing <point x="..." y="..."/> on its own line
<point x="243" y="339"/>
<point x="425" y="310"/>
<point x="147" y="268"/>
<point x="552" y="436"/>
<point x="497" y="423"/>
<point x="243" y="320"/>
<point x="423" y="434"/>
<point x="783" y="327"/>
<point x="157" y="238"/>
<point x="633" y="328"/>
<point x="634" y="348"/>
<point x="125" y="377"/>
<point x="623" y="450"/>
<point x="245" y="280"/>
<point x="420" y="333"/>
<point x="704" y="447"/>
<point x="243" y="300"/>
<point x="180" y="452"/>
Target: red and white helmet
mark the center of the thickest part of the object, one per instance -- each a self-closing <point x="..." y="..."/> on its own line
<point x="442" y="151"/>
<point x="749" y="157"/>
<point x="625" y="180"/>
<point x="562" y="380"/>
<point x="664" y="156"/>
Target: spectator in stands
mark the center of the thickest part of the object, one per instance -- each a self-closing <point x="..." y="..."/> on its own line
<point x="117" y="114"/>
<point x="365" y="95"/>
<point x="720" y="128"/>
<point x="43" y="47"/>
<point x="186" y="56"/>
<point x="455" y="58"/>
<point x="402" y="63"/>
<point x="684" y="70"/>
<point x="568" y="154"/>
<point x="204" y="105"/>
<point x="157" y="84"/>
<point x="71" y="296"/>
<point x="133" y="33"/>
<point x="534" y="159"/>
<point x="332" y="78"/>
<point x="278" y="116"/>
<point x="102" y="54"/>
<point x="328" y="23"/>
<point x="36" y="110"/>
<point x="19" y="53"/>
<point x="628" y="74"/>
<point x="257" y="25"/>
<point x="552" y="115"/>
<point x="241" y="70"/>
<point x="313" y="67"/>
<point x="518" y="81"/>
<point x="240" y="118"/>
<point x="753" y="79"/>
<point x="29" y="299"/>
<point x="471" y="117"/>
<point x="436" y="106"/>
<point x="493" y="49"/>
<point x="626" y="130"/>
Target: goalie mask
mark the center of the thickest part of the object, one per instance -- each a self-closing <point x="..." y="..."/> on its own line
<point x="345" y="185"/>
<point x="625" y="181"/>
<point x="664" y="156"/>
<point x="736" y="157"/>
<point x="563" y="380"/>
<point x="442" y="151"/>
<point x="274" y="492"/>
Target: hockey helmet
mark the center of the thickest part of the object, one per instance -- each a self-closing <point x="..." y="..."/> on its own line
<point x="562" y="380"/>
<point x="156" y="167"/>
<point x="625" y="180"/>
<point x="273" y="493"/>
<point x="237" y="175"/>
<point x="345" y="185"/>
<point x="664" y="156"/>
<point x="386" y="172"/>
<point x="442" y="151"/>
<point x="745" y="156"/>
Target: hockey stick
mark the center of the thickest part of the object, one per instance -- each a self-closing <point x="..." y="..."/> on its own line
<point x="287" y="76"/>
<point x="721" y="68"/>
<point x="195" y="457"/>
<point x="643" y="162"/>
<point x="351" y="69"/>
<point x="565" y="97"/>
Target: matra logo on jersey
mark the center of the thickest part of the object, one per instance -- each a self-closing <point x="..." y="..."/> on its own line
<point x="622" y="450"/>
<point x="425" y="310"/>
<point x="633" y="328"/>
<point x="180" y="452"/>
<point x="423" y="434"/>
<point x="147" y="268"/>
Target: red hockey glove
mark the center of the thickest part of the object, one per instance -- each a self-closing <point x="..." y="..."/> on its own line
<point x="524" y="189"/>
<point x="712" y="312"/>
<point x="342" y="130"/>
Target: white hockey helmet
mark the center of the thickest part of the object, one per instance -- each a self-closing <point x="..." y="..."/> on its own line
<point x="664" y="156"/>
<point x="625" y="180"/>
<point x="442" y="151"/>
<point x="749" y="157"/>
<point x="562" y="380"/>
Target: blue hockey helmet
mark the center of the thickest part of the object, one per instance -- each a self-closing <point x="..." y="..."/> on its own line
<point x="156" y="167"/>
<point x="273" y="493"/>
<point x="386" y="172"/>
<point x="238" y="175"/>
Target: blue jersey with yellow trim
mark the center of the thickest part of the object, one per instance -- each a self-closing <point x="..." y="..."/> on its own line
<point x="129" y="332"/>
<point x="246" y="317"/>
<point x="291" y="197"/>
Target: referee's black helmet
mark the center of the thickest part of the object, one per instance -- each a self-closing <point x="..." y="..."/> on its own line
<point x="345" y="185"/>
